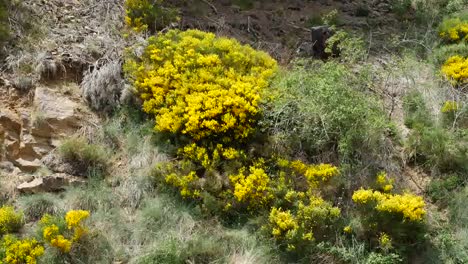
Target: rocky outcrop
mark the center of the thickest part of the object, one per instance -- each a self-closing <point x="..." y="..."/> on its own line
<point x="28" y="132"/>
<point x="53" y="183"/>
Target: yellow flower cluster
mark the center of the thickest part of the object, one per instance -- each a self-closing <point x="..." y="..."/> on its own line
<point x="147" y="14"/>
<point x="10" y="221"/>
<point x="187" y="184"/>
<point x="313" y="173"/>
<point x="74" y="220"/>
<point x="16" y="251"/>
<point x="284" y="224"/>
<point x="383" y="182"/>
<point x="450" y="107"/>
<point x="385" y="241"/>
<point x="348" y="229"/>
<point x="207" y="157"/>
<point x="456" y="69"/>
<point x="61" y="239"/>
<point x="410" y="206"/>
<point x="299" y="226"/>
<point x="254" y="188"/>
<point x="201" y="85"/>
<point x="454" y="30"/>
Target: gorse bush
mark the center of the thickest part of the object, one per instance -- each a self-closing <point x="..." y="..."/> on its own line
<point x="198" y="85"/>
<point x="456" y="70"/>
<point x="455" y="29"/>
<point x="16" y="251"/>
<point x="10" y="221"/>
<point x="148" y="15"/>
<point x="62" y="234"/>
<point x="389" y="218"/>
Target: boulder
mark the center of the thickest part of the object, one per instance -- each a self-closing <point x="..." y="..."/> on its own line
<point x="53" y="183"/>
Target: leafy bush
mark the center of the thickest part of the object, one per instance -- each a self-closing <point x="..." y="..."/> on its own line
<point x="440" y="190"/>
<point x="10" y="221"/>
<point x="148" y="14"/>
<point x="84" y="156"/>
<point x="323" y="108"/>
<point x="14" y="251"/>
<point x="198" y="85"/>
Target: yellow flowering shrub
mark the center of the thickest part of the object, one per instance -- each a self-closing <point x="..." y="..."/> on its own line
<point x="210" y="156"/>
<point x="456" y="70"/>
<point x="454" y="30"/>
<point x="10" y="221"/>
<point x="148" y="14"/>
<point x="409" y="206"/>
<point x="450" y="107"/>
<point x="313" y="173"/>
<point x="296" y="228"/>
<point x="15" y="251"/>
<point x="62" y="233"/>
<point x="252" y="188"/>
<point x="187" y="184"/>
<point x="384" y="183"/>
<point x="388" y="218"/>
<point x="200" y="85"/>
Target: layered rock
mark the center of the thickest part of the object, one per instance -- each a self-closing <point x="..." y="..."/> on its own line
<point x="30" y="132"/>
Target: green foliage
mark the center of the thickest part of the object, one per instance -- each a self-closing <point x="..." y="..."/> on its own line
<point x="378" y="258"/>
<point x="35" y="206"/>
<point x="85" y="157"/>
<point x="4" y="26"/>
<point x="148" y="14"/>
<point x="428" y="143"/>
<point x="322" y="108"/>
<point x="441" y="190"/>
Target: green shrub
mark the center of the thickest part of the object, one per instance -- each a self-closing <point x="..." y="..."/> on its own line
<point x="85" y="157"/>
<point x="4" y="25"/>
<point x="35" y="206"/>
<point x="324" y="108"/>
<point x="441" y="190"/>
<point x="148" y="14"/>
<point x="378" y="258"/>
<point x="417" y="114"/>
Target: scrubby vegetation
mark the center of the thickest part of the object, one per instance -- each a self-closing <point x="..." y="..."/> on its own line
<point x="226" y="155"/>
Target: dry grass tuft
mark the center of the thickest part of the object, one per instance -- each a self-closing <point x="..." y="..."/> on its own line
<point x="103" y="87"/>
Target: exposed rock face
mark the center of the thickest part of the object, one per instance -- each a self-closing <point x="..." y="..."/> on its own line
<point x="56" y="115"/>
<point x="52" y="183"/>
<point x="31" y="130"/>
